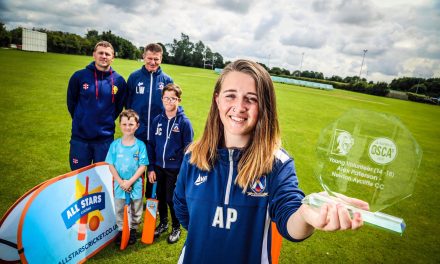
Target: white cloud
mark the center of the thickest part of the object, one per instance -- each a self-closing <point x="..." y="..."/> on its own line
<point x="240" y="7"/>
<point x="357" y="12"/>
<point x="305" y="37"/>
<point x="401" y="36"/>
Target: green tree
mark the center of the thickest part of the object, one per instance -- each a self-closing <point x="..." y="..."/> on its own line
<point x="63" y="42"/>
<point x="360" y="87"/>
<point x="312" y="74"/>
<point x="276" y="71"/>
<point x="165" y="54"/>
<point x="73" y="43"/>
<point x="208" y="57"/>
<point x="123" y="48"/>
<point x="5" y="36"/>
<point x="198" y="54"/>
<point x="16" y="35"/>
<point x="405" y="83"/>
<point x="218" y="60"/>
<point x="285" y="71"/>
<point x="264" y="66"/>
<point x="351" y="79"/>
<point x="419" y="88"/>
<point x="55" y="41"/>
<point x="306" y="74"/>
<point x="110" y="37"/>
<point x="181" y="50"/>
<point x="184" y="52"/>
<point x="92" y="35"/>
<point x="296" y="73"/>
<point x="87" y="46"/>
<point x="433" y="87"/>
<point x="319" y="75"/>
<point x="336" y="78"/>
<point x="380" y="88"/>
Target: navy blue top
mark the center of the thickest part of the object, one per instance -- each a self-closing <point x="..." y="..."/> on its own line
<point x="227" y="225"/>
<point x="94" y="100"/>
<point x="168" y="140"/>
<point x="145" y="97"/>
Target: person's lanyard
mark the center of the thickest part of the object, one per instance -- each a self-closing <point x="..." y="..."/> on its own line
<point x="97" y="85"/>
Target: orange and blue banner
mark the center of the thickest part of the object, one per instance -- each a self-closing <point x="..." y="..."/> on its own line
<point x="66" y="219"/>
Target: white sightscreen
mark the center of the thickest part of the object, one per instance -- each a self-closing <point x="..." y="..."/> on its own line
<point x="34" y="40"/>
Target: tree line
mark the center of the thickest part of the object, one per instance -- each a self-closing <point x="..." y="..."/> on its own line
<point x="181" y="52"/>
<point x="69" y="43"/>
<point x="418" y="89"/>
<point x="184" y="52"/>
<point x="187" y="53"/>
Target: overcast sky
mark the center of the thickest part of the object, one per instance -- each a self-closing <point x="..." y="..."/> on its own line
<point x="402" y="36"/>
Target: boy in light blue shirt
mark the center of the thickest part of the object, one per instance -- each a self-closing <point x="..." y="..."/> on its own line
<point x="128" y="159"/>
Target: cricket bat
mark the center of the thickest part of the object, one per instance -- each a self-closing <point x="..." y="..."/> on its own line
<point x="150" y="218"/>
<point x="82" y="228"/>
<point x="125" y="225"/>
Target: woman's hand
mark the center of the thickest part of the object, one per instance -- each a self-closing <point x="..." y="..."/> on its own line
<point x="331" y="217"/>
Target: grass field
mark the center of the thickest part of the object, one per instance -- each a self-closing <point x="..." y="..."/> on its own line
<point x="35" y="143"/>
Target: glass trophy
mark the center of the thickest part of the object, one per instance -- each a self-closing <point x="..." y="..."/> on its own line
<point x="369" y="156"/>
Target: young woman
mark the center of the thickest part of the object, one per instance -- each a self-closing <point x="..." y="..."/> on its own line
<point x="237" y="188"/>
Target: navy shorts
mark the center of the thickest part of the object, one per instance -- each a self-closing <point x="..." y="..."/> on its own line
<point x="83" y="153"/>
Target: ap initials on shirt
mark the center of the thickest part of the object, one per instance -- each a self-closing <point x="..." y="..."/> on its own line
<point x="231" y="217"/>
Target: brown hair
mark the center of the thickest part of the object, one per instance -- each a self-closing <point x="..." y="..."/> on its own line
<point x="153" y="47"/>
<point x="174" y="88"/>
<point x="129" y="113"/>
<point x="104" y="44"/>
<point x="258" y="156"/>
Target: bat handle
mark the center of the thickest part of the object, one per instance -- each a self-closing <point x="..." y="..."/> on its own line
<point x="153" y="192"/>
<point x="127" y="198"/>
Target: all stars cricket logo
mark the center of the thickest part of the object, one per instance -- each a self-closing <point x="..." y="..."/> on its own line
<point x="85" y="211"/>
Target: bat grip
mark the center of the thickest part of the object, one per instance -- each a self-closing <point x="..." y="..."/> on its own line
<point x="127" y="198"/>
<point x="153" y="192"/>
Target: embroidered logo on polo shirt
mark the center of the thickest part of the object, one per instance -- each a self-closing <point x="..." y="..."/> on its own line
<point x="161" y="85"/>
<point x="176" y="128"/>
<point x="140" y="88"/>
<point x="85" y="86"/>
<point x="258" y="187"/>
<point x="201" y="179"/>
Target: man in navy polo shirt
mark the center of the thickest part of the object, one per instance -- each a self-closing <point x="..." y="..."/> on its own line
<point x="95" y="98"/>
